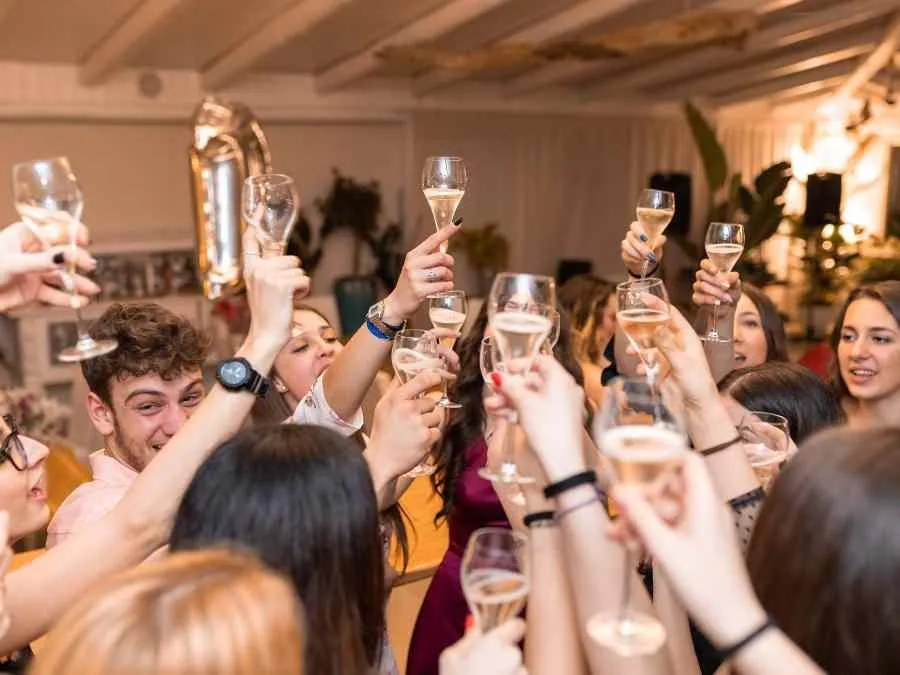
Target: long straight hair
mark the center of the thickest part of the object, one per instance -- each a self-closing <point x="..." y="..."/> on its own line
<point x="772" y="323"/>
<point x="201" y="612"/>
<point x="824" y="558"/>
<point x="301" y="498"/>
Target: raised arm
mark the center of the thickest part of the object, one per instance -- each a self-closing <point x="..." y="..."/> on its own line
<point x="713" y="288"/>
<point x="426" y="271"/>
<point x="40" y="592"/>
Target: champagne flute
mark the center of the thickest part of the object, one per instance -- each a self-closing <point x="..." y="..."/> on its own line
<point x="448" y="310"/>
<point x="49" y="201"/>
<point x="444" y="181"/>
<point x="494" y="576"/>
<point x="640" y="432"/>
<point x="639" y="318"/>
<point x="487" y="360"/>
<point x="415" y="351"/>
<point x="767" y="443"/>
<point x="270" y="205"/>
<point x="519" y="310"/>
<point x="655" y="209"/>
<point x="553" y="337"/>
<point x="724" y="247"/>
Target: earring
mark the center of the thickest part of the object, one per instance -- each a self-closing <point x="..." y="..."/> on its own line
<point x="280" y="386"/>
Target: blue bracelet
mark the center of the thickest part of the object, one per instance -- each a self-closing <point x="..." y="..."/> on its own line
<point x="376" y="331"/>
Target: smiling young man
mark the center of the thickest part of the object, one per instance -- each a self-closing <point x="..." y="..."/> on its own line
<point x="140" y="395"/>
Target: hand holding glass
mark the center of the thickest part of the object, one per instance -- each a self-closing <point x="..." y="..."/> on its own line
<point x="724" y="247"/>
<point x="49" y="200"/>
<point x="448" y="311"/>
<point x="655" y="209"/>
<point x="640" y="318"/>
<point x="415" y="351"/>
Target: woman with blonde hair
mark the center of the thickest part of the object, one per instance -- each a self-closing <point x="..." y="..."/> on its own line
<point x="214" y="612"/>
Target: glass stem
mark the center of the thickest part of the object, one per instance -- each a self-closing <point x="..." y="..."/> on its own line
<point x="625" y="601"/>
<point x="714" y="329"/>
<point x="508" y="461"/>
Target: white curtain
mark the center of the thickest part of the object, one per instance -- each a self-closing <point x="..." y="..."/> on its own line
<point x="564" y="186"/>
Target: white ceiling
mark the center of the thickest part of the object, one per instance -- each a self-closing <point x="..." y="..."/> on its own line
<point x="800" y="48"/>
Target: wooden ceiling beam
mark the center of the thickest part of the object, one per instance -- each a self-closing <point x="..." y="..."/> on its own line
<point x="545" y="30"/>
<point x="278" y="31"/>
<point x="878" y="59"/>
<point x="816" y="79"/>
<point x="429" y="27"/>
<point x="808" y="26"/>
<point x="130" y="35"/>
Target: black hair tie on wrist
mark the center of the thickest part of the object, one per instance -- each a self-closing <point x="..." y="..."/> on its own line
<point x="730" y="651"/>
<point x="537" y="517"/>
<point x="588" y="477"/>
<point x="706" y="452"/>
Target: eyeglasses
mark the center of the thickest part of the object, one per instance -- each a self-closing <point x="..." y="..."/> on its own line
<point x="12" y="448"/>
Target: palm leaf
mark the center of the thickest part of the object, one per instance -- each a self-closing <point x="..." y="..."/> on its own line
<point x="715" y="164"/>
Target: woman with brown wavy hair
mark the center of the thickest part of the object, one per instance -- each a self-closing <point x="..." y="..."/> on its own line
<point x="212" y="612"/>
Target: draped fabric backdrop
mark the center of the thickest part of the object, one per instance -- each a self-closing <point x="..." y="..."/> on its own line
<point x="565" y="187"/>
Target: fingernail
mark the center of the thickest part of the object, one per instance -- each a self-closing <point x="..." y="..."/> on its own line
<point x="651" y="257"/>
<point x="497" y="379"/>
<point x="470" y="622"/>
<point x="458" y="222"/>
<point x="643" y="237"/>
<point x="59" y="258"/>
<point x="726" y="285"/>
<point x="620" y="507"/>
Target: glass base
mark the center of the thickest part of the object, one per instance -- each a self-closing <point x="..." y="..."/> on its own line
<point x="715" y="337"/>
<point x="632" y="634"/>
<point x="447" y="403"/>
<point x="86" y="349"/>
<point x="423" y="469"/>
<point x="508" y="473"/>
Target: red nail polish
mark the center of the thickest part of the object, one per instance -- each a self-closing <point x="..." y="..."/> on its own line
<point x="470" y="622"/>
<point x="497" y="379"/>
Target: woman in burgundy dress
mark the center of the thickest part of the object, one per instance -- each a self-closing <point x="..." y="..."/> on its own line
<point x="468" y="501"/>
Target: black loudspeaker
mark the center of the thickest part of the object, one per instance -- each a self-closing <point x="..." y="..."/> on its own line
<point x="568" y="268"/>
<point x="823" y="200"/>
<point x="680" y="184"/>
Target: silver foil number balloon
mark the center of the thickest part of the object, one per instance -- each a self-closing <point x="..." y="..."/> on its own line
<point x="228" y="146"/>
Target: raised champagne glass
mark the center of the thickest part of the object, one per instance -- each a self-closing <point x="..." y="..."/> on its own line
<point x="494" y="576"/>
<point x="640" y="316"/>
<point x="655" y="209"/>
<point x="49" y="201"/>
<point x="640" y="431"/>
<point x="444" y="181"/>
<point x="270" y="206"/>
<point x="448" y="311"/>
<point x="724" y="247"/>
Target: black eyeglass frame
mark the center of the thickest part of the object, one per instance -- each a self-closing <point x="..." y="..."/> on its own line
<point x="12" y="448"/>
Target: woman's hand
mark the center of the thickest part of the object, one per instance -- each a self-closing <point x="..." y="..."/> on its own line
<point x="426" y="270"/>
<point x="496" y="652"/>
<point x="32" y="272"/>
<point x="550" y="405"/>
<point x="698" y="553"/>
<point x="636" y="252"/>
<point x="713" y="287"/>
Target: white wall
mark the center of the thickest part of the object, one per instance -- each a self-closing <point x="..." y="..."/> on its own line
<point x="137" y="182"/>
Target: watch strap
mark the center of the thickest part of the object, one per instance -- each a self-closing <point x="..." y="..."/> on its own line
<point x="258" y="384"/>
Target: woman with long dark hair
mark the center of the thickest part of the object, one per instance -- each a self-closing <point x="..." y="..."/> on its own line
<point x="301" y="498"/>
<point x="866" y="345"/>
<point x="468" y="501"/>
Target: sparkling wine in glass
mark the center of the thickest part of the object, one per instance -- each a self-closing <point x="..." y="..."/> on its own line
<point x="270" y="206"/>
<point x="724" y="247"/>
<point x="655" y="209"/>
<point x="766" y="440"/>
<point x="519" y="311"/>
<point x="49" y="201"/>
<point x="494" y="576"/>
<point x="643" y="307"/>
<point x="553" y="337"/>
<point x="640" y="431"/>
<point x="416" y="351"/>
<point x="444" y="181"/>
<point x="448" y="310"/>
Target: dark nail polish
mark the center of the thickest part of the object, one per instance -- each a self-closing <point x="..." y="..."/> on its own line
<point x="643" y="237"/>
<point x="458" y="222"/>
<point x="651" y="257"/>
<point x="59" y="258"/>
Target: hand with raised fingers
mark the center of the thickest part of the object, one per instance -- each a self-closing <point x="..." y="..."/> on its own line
<point x="426" y="270"/>
<point x="636" y="250"/>
<point x="32" y="268"/>
<point x="714" y="287"/>
<point x="496" y="652"/>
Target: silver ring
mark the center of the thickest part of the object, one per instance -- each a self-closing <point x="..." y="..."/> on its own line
<point x="431" y="275"/>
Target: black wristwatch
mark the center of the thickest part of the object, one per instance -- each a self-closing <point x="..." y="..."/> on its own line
<point x="238" y="375"/>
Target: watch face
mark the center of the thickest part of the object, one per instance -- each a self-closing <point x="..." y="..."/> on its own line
<point x="375" y="311"/>
<point x="233" y="372"/>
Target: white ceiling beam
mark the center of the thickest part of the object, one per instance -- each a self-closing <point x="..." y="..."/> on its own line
<point x="561" y="72"/>
<point x="114" y="50"/>
<point x="813" y="24"/>
<point x="279" y="30"/>
<point x="429" y="27"/>
<point x="810" y="80"/>
<point x="562" y="23"/>
<point x="822" y="53"/>
<point x="877" y="60"/>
